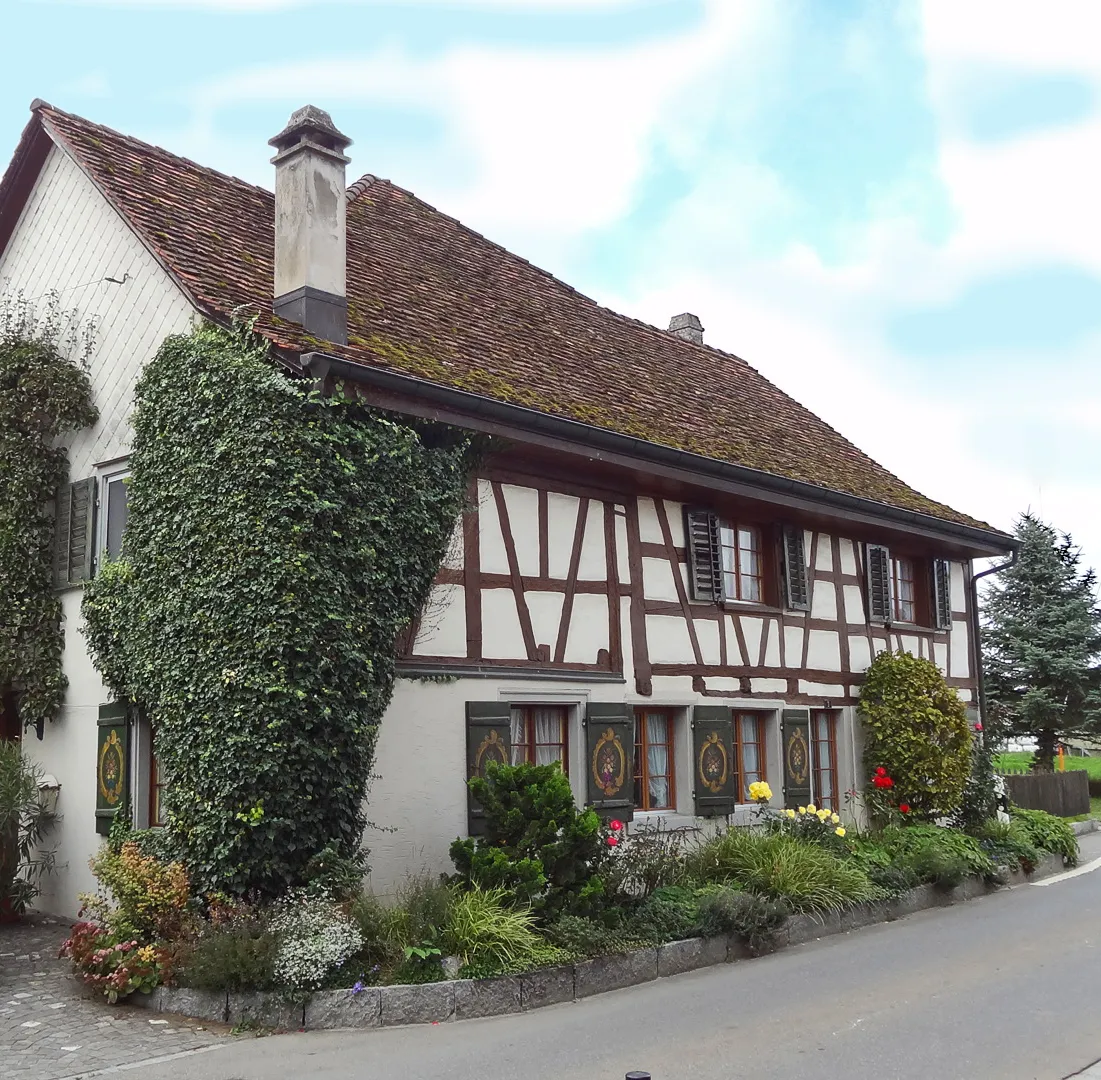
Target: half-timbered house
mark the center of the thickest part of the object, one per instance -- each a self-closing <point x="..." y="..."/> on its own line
<point x="670" y="576"/>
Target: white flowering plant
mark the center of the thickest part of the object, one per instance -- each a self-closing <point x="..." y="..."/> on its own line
<point x="315" y="938"/>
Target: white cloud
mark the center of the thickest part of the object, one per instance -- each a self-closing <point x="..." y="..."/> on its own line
<point x="543" y="148"/>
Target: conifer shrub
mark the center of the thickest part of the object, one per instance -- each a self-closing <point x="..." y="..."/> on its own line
<point x="538" y="846"/>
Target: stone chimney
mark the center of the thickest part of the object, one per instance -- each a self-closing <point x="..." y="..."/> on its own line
<point x="311" y="235"/>
<point x="687" y="326"/>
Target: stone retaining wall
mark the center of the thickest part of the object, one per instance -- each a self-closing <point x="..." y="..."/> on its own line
<point x="467" y="999"/>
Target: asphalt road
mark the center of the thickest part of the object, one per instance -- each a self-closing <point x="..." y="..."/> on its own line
<point x="1004" y="987"/>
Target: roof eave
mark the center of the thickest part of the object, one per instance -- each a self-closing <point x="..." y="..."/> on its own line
<point x="396" y="391"/>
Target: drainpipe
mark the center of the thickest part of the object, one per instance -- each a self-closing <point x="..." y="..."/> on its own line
<point x="976" y="632"/>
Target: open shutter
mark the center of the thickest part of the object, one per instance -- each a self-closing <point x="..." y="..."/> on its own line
<point x="705" y="567"/>
<point x="488" y="738"/>
<point x="796" y="589"/>
<point x="75" y="532"/>
<point x="878" y="573"/>
<point x="942" y="594"/>
<point x="714" y="767"/>
<point x="112" y="763"/>
<point x="795" y="736"/>
<point x="610" y="757"/>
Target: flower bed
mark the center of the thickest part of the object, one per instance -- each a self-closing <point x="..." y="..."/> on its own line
<point x="549" y="898"/>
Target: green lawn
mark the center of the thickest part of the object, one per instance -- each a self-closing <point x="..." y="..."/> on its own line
<point x="1020" y="761"/>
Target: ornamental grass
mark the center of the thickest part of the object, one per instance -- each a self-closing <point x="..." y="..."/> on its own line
<point x="805" y="875"/>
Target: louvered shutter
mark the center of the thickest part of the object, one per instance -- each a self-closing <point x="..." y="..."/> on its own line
<point x="795" y="736"/>
<point x="112" y="764"/>
<point x="877" y="560"/>
<point x="75" y="532"/>
<point x="942" y="594"/>
<point x="488" y="738"/>
<point x="714" y="766"/>
<point x="796" y="587"/>
<point x="610" y="759"/>
<point x="705" y="568"/>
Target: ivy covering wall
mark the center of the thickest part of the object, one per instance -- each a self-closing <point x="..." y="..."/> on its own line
<point x="276" y="544"/>
<point x="44" y="392"/>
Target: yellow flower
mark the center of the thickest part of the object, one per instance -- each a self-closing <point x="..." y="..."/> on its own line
<point x="802" y="809"/>
<point x="811" y="808"/>
<point x="147" y="953"/>
<point x="840" y="830"/>
<point x="835" y="819"/>
<point x="759" y="791"/>
<point x="822" y="815"/>
<point x="790" y="813"/>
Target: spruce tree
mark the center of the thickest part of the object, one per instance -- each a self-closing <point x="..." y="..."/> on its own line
<point x="1042" y="644"/>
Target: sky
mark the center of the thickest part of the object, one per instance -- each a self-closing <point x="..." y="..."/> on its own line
<point x="891" y="209"/>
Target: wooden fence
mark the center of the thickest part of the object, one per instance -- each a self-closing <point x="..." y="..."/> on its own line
<point x="1064" y="794"/>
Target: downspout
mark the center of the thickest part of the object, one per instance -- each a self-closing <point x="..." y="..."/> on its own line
<point x="976" y="632"/>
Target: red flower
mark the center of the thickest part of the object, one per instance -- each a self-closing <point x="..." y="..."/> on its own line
<point x="888" y="782"/>
<point x="612" y="841"/>
<point x="903" y="808"/>
<point x="978" y="726"/>
<point x="881" y="771"/>
<point x="615" y="824"/>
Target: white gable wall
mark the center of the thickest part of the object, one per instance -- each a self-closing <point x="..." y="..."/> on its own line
<point x="69" y="239"/>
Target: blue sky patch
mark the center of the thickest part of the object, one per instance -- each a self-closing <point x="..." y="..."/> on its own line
<point x="1002" y="106"/>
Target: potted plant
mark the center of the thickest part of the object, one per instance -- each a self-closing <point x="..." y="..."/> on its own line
<point x="26" y="818"/>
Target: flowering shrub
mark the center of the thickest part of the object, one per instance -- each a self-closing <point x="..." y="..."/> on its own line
<point x="315" y="937"/>
<point x="815" y="824"/>
<point x="112" y="967"/>
<point x="150" y="897"/>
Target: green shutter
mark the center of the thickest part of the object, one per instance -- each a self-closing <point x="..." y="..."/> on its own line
<point x="705" y="568"/>
<point x="488" y="738"/>
<point x="796" y="587"/>
<point x="75" y="533"/>
<point x="795" y="738"/>
<point x="112" y="764"/>
<point x="610" y="759"/>
<point x="714" y="766"/>
<point x="877" y="560"/>
<point x="942" y="594"/>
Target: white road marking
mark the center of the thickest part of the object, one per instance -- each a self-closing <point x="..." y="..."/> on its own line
<point x="143" y="1064"/>
<point x="1087" y="869"/>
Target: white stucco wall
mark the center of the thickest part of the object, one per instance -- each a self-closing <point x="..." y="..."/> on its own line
<point x="69" y="239"/>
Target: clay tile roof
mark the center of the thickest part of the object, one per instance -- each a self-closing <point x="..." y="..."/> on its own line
<point x="431" y="298"/>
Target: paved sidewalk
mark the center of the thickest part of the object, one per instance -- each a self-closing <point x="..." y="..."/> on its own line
<point x="48" y="1030"/>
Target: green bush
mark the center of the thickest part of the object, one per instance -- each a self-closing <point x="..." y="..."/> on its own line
<point x="1048" y="833"/>
<point x="937" y="855"/>
<point x="649" y="857"/>
<point x="235" y="951"/>
<point x="877" y="862"/>
<point x="805" y="875"/>
<point x="670" y="913"/>
<point x="538" y="846"/>
<point x="915" y="726"/>
<point x="583" y="937"/>
<point x="1007" y="843"/>
<point x="752" y="918"/>
<point x="482" y="929"/>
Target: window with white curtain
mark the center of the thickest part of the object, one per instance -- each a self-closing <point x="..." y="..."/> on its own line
<point x="539" y="735"/>
<point x="654" y="776"/>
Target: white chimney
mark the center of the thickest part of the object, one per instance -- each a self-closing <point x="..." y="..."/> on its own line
<point x="311" y="235"/>
<point x="687" y="326"/>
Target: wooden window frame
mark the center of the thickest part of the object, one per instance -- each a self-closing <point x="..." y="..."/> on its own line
<point x="641" y="771"/>
<point x="116" y="474"/>
<point x="922" y="582"/>
<point x="761" y="577"/>
<point x="156" y="787"/>
<point x="761" y="716"/>
<point x="898" y="564"/>
<point x="832" y="716"/>
<point x="528" y="711"/>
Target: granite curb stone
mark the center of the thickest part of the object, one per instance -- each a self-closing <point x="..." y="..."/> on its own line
<point x="615" y="972"/>
<point x="266" y="1010"/>
<point x="487" y="997"/>
<point x="328" y="1009"/>
<point x="426" y="1003"/>
<point x="547" y="986"/>
<point x="677" y="957"/>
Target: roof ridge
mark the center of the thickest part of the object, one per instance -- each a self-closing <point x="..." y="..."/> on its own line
<point x="358" y="187"/>
<point x="48" y="110"/>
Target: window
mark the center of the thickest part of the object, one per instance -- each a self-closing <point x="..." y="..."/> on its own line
<point x="749" y="745"/>
<point x="741" y="557"/>
<point x="539" y="734"/>
<point x="823" y="730"/>
<point x="654" y="783"/>
<point x="113" y="514"/>
<point x="903" y="591"/>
